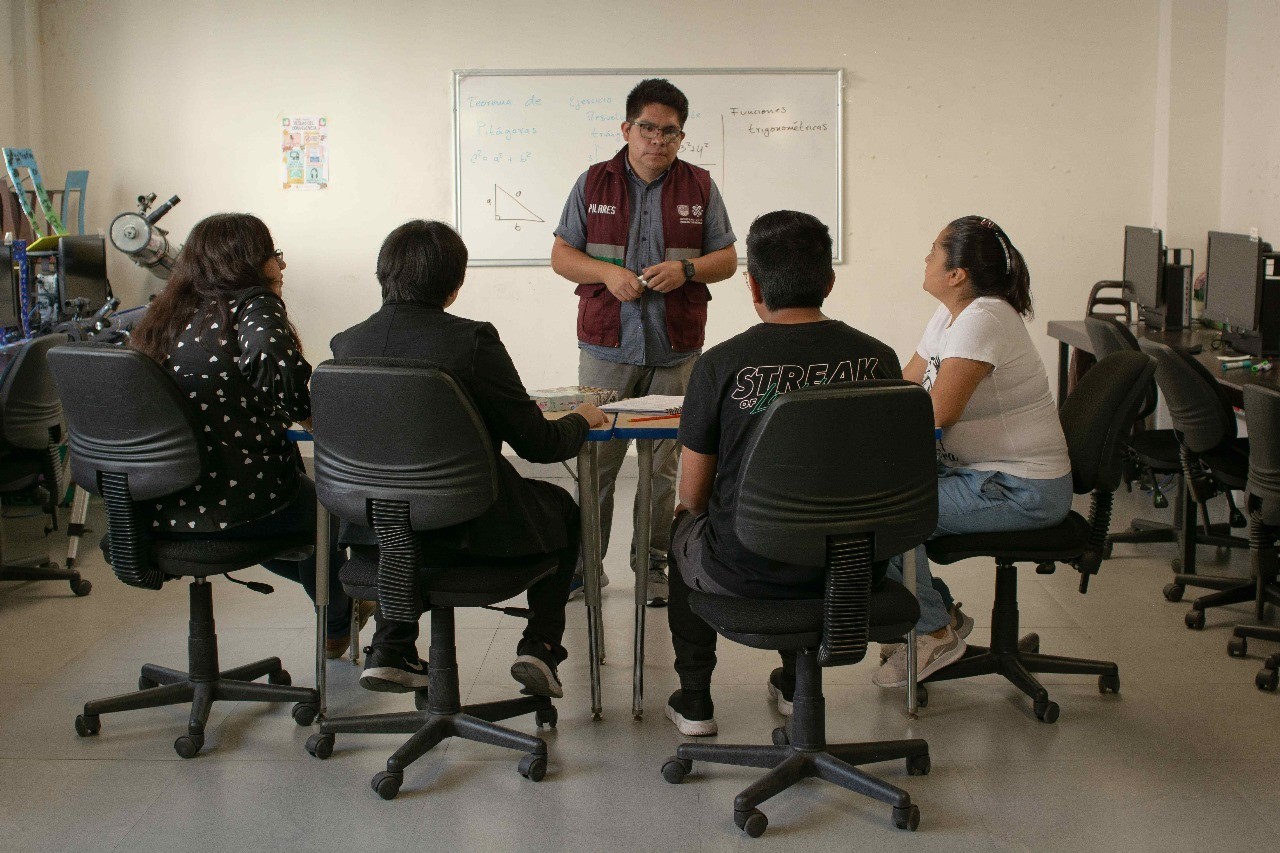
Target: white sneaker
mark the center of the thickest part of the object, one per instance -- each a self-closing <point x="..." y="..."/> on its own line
<point x="932" y="654"/>
<point x="657" y="589"/>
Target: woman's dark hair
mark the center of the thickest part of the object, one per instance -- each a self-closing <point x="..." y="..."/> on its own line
<point x="421" y="261"/>
<point x="789" y="256"/>
<point x="222" y="258"/>
<point x="655" y="90"/>
<point x="982" y="249"/>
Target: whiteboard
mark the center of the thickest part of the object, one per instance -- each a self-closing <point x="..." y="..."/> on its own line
<point x="771" y="139"/>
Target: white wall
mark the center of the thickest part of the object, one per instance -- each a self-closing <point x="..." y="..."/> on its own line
<point x="1039" y="115"/>
<point x="21" y="70"/>
<point x="1251" y="124"/>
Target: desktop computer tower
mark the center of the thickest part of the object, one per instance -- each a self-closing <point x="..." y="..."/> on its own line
<point x="1266" y="340"/>
<point x="1174" y="312"/>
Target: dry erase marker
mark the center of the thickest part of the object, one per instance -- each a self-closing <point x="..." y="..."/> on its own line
<point x="1236" y="365"/>
<point x="643" y="281"/>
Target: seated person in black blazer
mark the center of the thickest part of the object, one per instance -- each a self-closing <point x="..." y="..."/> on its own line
<point x="421" y="267"/>
<point x="789" y="274"/>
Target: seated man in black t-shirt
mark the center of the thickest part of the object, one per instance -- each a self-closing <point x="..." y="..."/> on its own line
<point x="789" y="273"/>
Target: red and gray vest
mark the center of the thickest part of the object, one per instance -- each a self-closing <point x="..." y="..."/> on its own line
<point x="686" y="191"/>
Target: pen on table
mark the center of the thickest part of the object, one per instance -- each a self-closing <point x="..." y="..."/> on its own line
<point x="1261" y="367"/>
<point x="653" y="418"/>
<point x="1236" y="365"/>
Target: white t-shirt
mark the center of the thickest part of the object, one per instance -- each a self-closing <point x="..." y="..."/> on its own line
<point x="1011" y="423"/>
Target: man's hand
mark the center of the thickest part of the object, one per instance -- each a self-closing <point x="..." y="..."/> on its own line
<point x="665" y="277"/>
<point x="595" y="417"/>
<point x="623" y="284"/>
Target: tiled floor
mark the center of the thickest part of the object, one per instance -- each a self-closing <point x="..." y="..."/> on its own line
<point x="1184" y="758"/>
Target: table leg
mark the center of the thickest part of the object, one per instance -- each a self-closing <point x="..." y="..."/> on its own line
<point x="589" y="508"/>
<point x="1064" y="370"/>
<point x="910" y="567"/>
<point x="322" y="601"/>
<point x="644" y="497"/>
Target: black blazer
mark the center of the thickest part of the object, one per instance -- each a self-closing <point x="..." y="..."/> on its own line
<point x="527" y="518"/>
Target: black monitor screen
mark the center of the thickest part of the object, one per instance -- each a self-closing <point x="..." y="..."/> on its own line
<point x="9" y="316"/>
<point x="1232" y="280"/>
<point x="1144" y="263"/>
<point x="82" y="270"/>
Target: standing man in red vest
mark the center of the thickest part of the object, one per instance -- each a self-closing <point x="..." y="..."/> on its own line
<point x="642" y="235"/>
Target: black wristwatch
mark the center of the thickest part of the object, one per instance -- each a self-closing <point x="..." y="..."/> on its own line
<point x="689" y="271"/>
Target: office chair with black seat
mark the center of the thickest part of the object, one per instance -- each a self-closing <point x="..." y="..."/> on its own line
<point x="1262" y="416"/>
<point x="1214" y="462"/>
<point x="1150" y="453"/>
<point x="30" y="449"/>
<point x="423" y="464"/>
<point x="1096" y="419"/>
<point x="132" y="441"/>
<point x="844" y="477"/>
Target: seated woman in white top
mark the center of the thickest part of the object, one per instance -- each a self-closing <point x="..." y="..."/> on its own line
<point x="1002" y="458"/>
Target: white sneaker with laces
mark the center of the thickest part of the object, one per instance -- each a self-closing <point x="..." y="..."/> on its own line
<point x="932" y="654"/>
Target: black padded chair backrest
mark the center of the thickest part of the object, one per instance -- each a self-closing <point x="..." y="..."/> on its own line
<point x="1200" y="410"/>
<point x="399" y="447"/>
<point x="399" y="431"/>
<point x="1097" y="416"/>
<point x="30" y="412"/>
<point x="1262" y="417"/>
<point x="133" y="438"/>
<point x="841" y="476"/>
<point x="125" y="416"/>
<point x="1111" y="336"/>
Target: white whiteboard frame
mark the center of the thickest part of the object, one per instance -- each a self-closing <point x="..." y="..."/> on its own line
<point x="837" y="75"/>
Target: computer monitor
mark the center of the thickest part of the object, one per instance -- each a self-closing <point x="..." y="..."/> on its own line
<point x="1144" y="265"/>
<point x="10" y="310"/>
<point x="1234" y="280"/>
<point x="82" y="271"/>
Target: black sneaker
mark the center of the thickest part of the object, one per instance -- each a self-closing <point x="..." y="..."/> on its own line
<point x="389" y="670"/>
<point x="782" y="690"/>
<point x="535" y="668"/>
<point x="693" y="712"/>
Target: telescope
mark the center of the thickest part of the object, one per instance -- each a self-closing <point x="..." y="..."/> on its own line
<point x="137" y="235"/>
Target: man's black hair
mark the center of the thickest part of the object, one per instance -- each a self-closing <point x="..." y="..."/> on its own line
<point x="655" y="90"/>
<point x="789" y="256"/>
<point x="421" y="261"/>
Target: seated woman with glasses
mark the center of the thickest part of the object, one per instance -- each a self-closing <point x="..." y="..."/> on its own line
<point x="1002" y="457"/>
<point x="219" y="328"/>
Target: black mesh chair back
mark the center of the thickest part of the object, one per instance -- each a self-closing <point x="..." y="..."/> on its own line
<point x="1262" y="417"/>
<point x="30" y="411"/>
<point x="424" y="462"/>
<point x="132" y="439"/>
<point x="841" y="476"/>
<point x="1201" y="412"/>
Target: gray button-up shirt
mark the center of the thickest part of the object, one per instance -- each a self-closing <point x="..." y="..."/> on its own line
<point x="644" y="321"/>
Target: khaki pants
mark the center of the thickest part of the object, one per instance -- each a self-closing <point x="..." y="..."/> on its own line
<point x="631" y="380"/>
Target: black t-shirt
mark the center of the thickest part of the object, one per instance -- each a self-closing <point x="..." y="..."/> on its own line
<point x="731" y="386"/>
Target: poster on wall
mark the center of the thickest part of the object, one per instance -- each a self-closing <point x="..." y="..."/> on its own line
<point x="304" y="152"/>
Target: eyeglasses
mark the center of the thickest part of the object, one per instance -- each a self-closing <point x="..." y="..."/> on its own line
<point x="278" y="254"/>
<point x="652" y="131"/>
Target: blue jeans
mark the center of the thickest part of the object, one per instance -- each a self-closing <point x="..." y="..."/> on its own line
<point x="972" y="501"/>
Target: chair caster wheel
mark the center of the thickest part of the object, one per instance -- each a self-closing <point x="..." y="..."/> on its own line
<point x="780" y="736"/>
<point x="1047" y="712"/>
<point x="387" y="785"/>
<point x="188" y="746"/>
<point x="81" y="587"/>
<point x="89" y="725"/>
<point x="922" y="696"/>
<point x="919" y="765"/>
<point x="420" y="700"/>
<point x="1030" y="644"/>
<point x="145" y="683"/>
<point x="1108" y="684"/>
<point x="1238" y="647"/>
<point x="675" y="769"/>
<point x="304" y="713"/>
<point x="1173" y="591"/>
<point x="281" y="676"/>
<point x="547" y="717"/>
<point x="321" y="746"/>
<point x="1272" y="662"/>
<point x="533" y="767"/>
<point x="1266" y="679"/>
<point x="907" y="818"/>
<point x="1194" y="619"/>
<point x="752" y="822"/>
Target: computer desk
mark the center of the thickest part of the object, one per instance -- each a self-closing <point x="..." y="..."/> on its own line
<point x="1073" y="333"/>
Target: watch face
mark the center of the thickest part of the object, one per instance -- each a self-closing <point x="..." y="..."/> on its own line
<point x="688" y="269"/>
